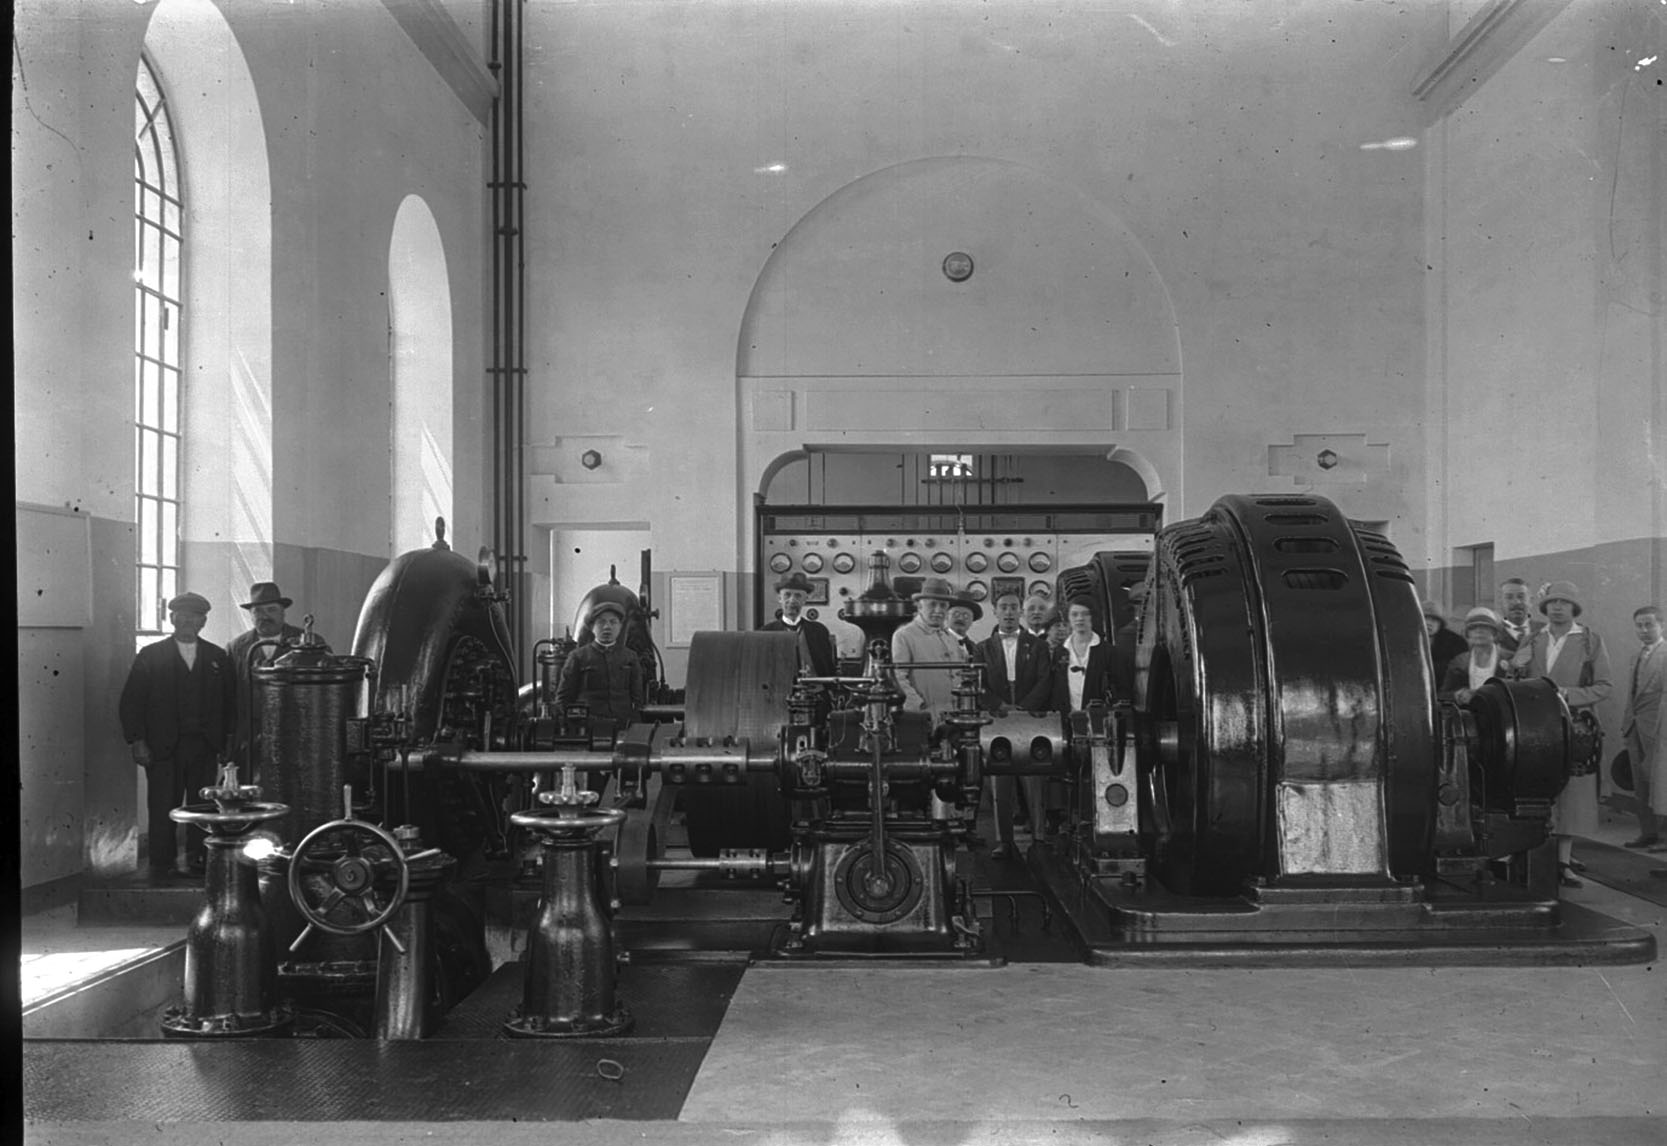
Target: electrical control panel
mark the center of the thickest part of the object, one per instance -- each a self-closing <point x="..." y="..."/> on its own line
<point x="982" y="553"/>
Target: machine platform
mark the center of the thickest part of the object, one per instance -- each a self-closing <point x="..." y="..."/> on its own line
<point x="1437" y="925"/>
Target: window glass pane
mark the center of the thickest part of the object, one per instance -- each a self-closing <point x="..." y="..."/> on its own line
<point x="170" y="269"/>
<point x="170" y="468"/>
<point x="149" y="457"/>
<point x="138" y="390"/>
<point x="170" y="586"/>
<point x="147" y="530"/>
<point x="147" y="600"/>
<point x="151" y="342"/>
<point x="170" y="399"/>
<point x="170" y="215"/>
<point x="168" y="542"/>
<point x="150" y="406"/>
<point x="170" y="333"/>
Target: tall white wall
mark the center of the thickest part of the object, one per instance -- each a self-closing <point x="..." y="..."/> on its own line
<point x="355" y="118"/>
<point x="673" y="148"/>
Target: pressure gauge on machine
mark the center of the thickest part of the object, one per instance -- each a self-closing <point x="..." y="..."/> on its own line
<point x="909" y="563"/>
<point x="1007" y="562"/>
<point x="844" y="563"/>
<point x="977" y="590"/>
<point x="977" y="562"/>
<point x="813" y="562"/>
<point x="780" y="563"/>
<point x="1041" y="589"/>
<point x="1040" y="562"/>
<point x="942" y="563"/>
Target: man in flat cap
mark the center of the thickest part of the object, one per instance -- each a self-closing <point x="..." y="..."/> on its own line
<point x="816" y="643"/>
<point x="265" y="606"/>
<point x="177" y="710"/>
<point x="604" y="674"/>
<point x="927" y="639"/>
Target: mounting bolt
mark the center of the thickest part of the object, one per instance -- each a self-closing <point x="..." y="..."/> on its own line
<point x="591" y="459"/>
<point x="1327" y="459"/>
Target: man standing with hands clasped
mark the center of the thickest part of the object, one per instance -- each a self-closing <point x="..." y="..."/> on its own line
<point x="177" y="710"/>
<point x="1644" y="727"/>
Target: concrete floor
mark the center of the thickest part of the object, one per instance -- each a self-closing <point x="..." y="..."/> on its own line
<point x="1061" y="1053"/>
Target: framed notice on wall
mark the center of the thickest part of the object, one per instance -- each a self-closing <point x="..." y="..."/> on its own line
<point x="694" y="603"/>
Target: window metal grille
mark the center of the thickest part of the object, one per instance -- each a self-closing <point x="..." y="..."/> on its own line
<point x="158" y="230"/>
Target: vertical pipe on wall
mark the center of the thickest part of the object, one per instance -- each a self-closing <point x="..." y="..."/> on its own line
<point x="508" y="319"/>
<point x="521" y="586"/>
<point x="495" y="372"/>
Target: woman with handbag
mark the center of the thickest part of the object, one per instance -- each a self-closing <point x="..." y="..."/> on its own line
<point x="1573" y="658"/>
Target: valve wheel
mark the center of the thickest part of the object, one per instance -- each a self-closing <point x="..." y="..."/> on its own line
<point x="364" y="869"/>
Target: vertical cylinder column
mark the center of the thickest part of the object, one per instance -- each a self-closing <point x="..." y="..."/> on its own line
<point x="571" y="968"/>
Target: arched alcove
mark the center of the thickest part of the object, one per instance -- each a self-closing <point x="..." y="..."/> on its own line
<point x="420" y="360"/>
<point x="226" y="513"/>
<point x="863" y="333"/>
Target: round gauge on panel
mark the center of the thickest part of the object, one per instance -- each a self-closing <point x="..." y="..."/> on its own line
<point x="977" y="562"/>
<point x="1040" y="562"/>
<point x="844" y="563"/>
<point x="942" y="563"/>
<point x="977" y="590"/>
<point x="1007" y="562"/>
<point x="909" y="563"/>
<point x="780" y="563"/>
<point x="813" y="563"/>
<point x="1041" y="589"/>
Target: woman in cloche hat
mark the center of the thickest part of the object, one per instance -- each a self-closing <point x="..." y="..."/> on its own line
<point x="1572" y="657"/>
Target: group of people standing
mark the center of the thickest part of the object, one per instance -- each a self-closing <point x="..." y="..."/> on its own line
<point x="1514" y="644"/>
<point x="1037" y="659"/>
<point x="186" y="707"/>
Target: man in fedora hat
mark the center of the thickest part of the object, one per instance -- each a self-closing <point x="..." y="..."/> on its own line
<point x="252" y="647"/>
<point x="815" y="642"/>
<point x="1573" y="658"/>
<point x="176" y="711"/>
<point x="927" y="639"/>
<point x="963" y="611"/>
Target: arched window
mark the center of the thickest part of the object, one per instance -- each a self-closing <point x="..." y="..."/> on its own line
<point x="158" y="237"/>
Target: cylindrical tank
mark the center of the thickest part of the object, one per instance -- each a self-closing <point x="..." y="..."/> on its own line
<point x="303" y="701"/>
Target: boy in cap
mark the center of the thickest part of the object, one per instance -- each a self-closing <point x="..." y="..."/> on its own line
<point x="792" y="591"/>
<point x="177" y="710"/>
<point x="604" y="675"/>
<point x="1573" y="658"/>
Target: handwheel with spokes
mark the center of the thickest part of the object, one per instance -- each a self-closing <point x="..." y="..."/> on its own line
<point x="362" y="866"/>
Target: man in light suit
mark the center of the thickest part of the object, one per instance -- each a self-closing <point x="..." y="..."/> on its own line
<point x="1644" y="726"/>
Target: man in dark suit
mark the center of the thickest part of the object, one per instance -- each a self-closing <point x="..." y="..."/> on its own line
<point x="1518" y="624"/>
<point x="177" y="711"/>
<point x="1016" y="676"/>
<point x="265" y="606"/>
<point x="791" y="593"/>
